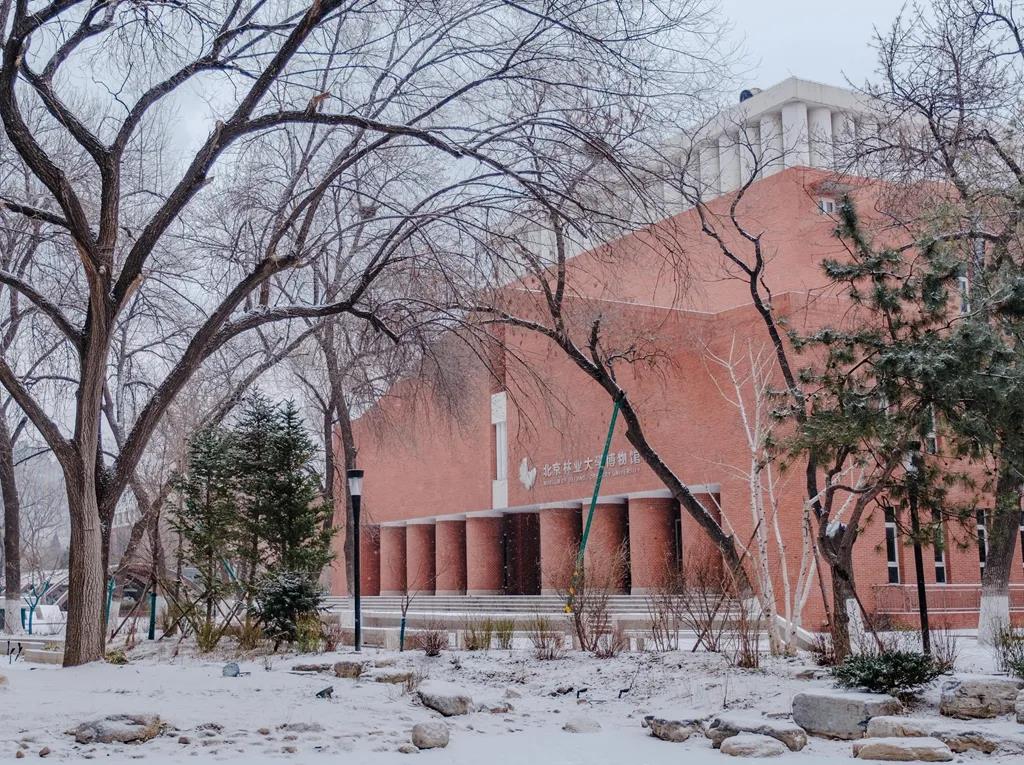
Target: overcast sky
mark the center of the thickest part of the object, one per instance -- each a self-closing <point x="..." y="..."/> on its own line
<point x="824" y="41"/>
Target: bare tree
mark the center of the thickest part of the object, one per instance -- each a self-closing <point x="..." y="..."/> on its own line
<point x="427" y="76"/>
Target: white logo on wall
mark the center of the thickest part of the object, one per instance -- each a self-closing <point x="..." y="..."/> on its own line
<point x="527" y="474"/>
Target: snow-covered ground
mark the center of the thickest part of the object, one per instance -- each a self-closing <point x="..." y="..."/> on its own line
<point x="272" y="714"/>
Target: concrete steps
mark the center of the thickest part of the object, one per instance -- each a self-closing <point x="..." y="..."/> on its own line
<point x="484" y="604"/>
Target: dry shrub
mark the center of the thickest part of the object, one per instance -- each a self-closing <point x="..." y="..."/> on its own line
<point x="611" y="644"/>
<point x="744" y="639"/>
<point x="548" y="642"/>
<point x="823" y="649"/>
<point x="334" y="635"/>
<point x="665" y="610"/>
<point x="249" y="634"/>
<point x="476" y="634"/>
<point x="589" y="595"/>
<point x="504" y="630"/>
<point x="431" y="640"/>
<point x="706" y="598"/>
<point x="945" y="647"/>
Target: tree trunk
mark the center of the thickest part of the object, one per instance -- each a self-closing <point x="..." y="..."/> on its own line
<point x="12" y="532"/>
<point x="1002" y="529"/>
<point x="845" y="606"/>
<point x="85" y="639"/>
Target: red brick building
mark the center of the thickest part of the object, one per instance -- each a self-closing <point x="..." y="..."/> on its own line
<point x="490" y="498"/>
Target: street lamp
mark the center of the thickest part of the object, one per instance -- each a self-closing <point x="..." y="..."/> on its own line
<point x="912" y="465"/>
<point x="355" y="491"/>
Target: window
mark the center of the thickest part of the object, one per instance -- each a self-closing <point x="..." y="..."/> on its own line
<point x="1022" y="534"/>
<point x="500" y="451"/>
<point x="827" y="206"/>
<point x="982" y="539"/>
<point x="963" y="286"/>
<point x="939" y="545"/>
<point x="931" y="440"/>
<point x="892" y="546"/>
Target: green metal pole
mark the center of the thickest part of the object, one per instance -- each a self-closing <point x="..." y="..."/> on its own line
<point x="152" y="614"/>
<point x="593" y="504"/>
<point x="110" y="597"/>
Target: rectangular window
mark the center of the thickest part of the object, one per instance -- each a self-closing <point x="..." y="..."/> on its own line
<point x="892" y="546"/>
<point x="982" y="539"/>
<point x="1022" y="534"/>
<point x="931" y="440"/>
<point x="500" y="451"/>
<point x="827" y="206"/>
<point x="939" y="545"/>
<point x="963" y="286"/>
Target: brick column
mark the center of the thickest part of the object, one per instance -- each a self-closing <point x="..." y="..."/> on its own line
<point x="485" y="560"/>
<point x="420" y="568"/>
<point x="369" y="559"/>
<point x="607" y="540"/>
<point x="699" y="552"/>
<point x="392" y="560"/>
<point x="559" y="541"/>
<point x="651" y="542"/>
<point x="450" y="557"/>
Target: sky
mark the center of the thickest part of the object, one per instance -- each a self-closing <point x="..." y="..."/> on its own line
<point x="824" y="41"/>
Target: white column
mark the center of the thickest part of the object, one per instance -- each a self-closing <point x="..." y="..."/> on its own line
<point x="819" y="122"/>
<point x="710" y="181"/>
<point x="867" y="135"/>
<point x="750" y="151"/>
<point x="770" y="130"/>
<point x="844" y="134"/>
<point x="728" y="162"/>
<point x="794" y="135"/>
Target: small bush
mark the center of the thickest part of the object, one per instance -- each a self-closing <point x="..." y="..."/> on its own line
<point x="504" y="630"/>
<point x="432" y="641"/>
<point x="282" y="600"/>
<point x="309" y="633"/>
<point x="1009" y="650"/>
<point x="334" y="635"/>
<point x="823" y="650"/>
<point x="476" y="635"/>
<point x="249" y="634"/>
<point x="945" y="648"/>
<point x="117" y="656"/>
<point x="611" y="644"/>
<point x="901" y="673"/>
<point x="548" y="642"/>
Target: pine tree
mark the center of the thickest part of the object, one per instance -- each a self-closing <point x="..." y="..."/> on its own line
<point x="208" y="517"/>
<point x="254" y="445"/>
<point x="296" y="527"/>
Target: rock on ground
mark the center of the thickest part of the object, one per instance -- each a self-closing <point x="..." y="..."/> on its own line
<point x="349" y="669"/>
<point x="752" y="745"/>
<point x="430" y="735"/>
<point x="973" y="696"/>
<point x="393" y="678"/>
<point x="1018" y="707"/>
<point x="449" y="700"/>
<point x="923" y="748"/>
<point x="118" y="729"/>
<point x="960" y="737"/>
<point x="725" y="726"/>
<point x="673" y="729"/>
<point x="838" y="714"/>
<point x="581" y="725"/>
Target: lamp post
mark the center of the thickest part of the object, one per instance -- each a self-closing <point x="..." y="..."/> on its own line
<point x="912" y="464"/>
<point x="355" y="490"/>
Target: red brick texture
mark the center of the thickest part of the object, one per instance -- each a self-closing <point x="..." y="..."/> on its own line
<point x="450" y="557"/>
<point x="484" y="556"/>
<point x="652" y="531"/>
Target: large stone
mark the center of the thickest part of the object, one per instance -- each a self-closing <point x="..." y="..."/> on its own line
<point x="431" y="735"/>
<point x="118" y="729"/>
<point x="924" y="749"/>
<point x="960" y="737"/>
<point x="1018" y="707"/>
<point x="581" y="725"/>
<point x="725" y="726"/>
<point x="752" y="745"/>
<point x="449" y="700"/>
<point x="974" y="696"/>
<point x="840" y="714"/>
<point x="396" y="677"/>
<point x="672" y="729"/>
<point x="349" y="669"/>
